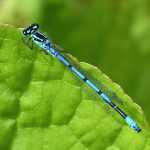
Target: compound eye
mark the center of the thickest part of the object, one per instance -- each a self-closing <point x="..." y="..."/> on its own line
<point x="28" y="31"/>
<point x="24" y="33"/>
<point x="35" y="27"/>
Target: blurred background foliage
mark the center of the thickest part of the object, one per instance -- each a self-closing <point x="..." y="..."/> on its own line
<point x="113" y="35"/>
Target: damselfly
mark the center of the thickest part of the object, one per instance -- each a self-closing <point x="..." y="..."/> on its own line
<point x="48" y="47"/>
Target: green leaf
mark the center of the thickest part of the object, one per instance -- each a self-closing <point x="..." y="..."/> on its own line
<point x="43" y="106"/>
<point x="112" y="30"/>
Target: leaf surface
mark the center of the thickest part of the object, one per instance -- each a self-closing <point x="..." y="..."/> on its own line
<point x="43" y="106"/>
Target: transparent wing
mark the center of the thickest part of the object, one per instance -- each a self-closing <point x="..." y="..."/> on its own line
<point x="100" y="85"/>
<point x="90" y="94"/>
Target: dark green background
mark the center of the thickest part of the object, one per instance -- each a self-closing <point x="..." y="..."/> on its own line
<point x="113" y="35"/>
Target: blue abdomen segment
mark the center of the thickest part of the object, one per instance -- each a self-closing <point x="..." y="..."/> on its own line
<point x="77" y="73"/>
<point x="92" y="85"/>
<point x="105" y="97"/>
<point x="65" y="62"/>
<point x="132" y="124"/>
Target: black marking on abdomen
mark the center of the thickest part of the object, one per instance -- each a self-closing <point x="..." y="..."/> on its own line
<point x="69" y="66"/>
<point x="120" y="112"/>
<point x="99" y="92"/>
<point x="84" y="79"/>
<point x="115" y="107"/>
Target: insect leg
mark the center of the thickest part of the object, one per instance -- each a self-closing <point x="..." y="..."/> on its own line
<point x="27" y="43"/>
